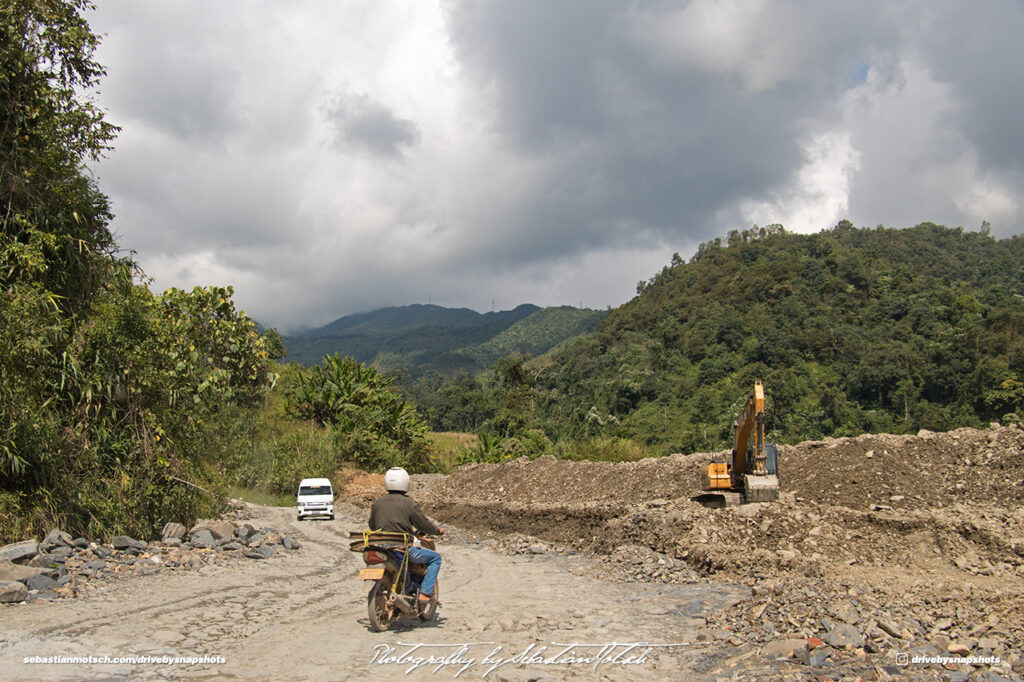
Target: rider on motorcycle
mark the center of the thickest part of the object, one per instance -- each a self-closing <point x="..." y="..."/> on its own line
<point x="398" y="513"/>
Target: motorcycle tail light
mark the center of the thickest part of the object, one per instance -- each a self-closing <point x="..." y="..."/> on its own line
<point x="372" y="557"/>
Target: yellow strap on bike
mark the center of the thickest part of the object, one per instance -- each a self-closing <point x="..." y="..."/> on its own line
<point x="367" y="534"/>
<point x="404" y="569"/>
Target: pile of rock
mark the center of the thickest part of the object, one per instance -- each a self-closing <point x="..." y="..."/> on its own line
<point x="637" y="563"/>
<point x="526" y="544"/>
<point x="852" y="629"/>
<point x="61" y="566"/>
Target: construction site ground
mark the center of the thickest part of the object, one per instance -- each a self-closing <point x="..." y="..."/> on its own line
<point x="882" y="549"/>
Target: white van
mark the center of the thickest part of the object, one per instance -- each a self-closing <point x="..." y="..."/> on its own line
<point x="315" y="498"/>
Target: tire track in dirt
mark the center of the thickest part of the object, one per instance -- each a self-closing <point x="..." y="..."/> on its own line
<point x="302" y="615"/>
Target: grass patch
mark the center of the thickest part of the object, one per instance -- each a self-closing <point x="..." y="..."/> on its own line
<point x="261" y="497"/>
<point x="601" y="450"/>
<point x="449" y="447"/>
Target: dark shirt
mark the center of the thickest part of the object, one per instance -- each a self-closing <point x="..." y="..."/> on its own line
<point x="396" y="513"/>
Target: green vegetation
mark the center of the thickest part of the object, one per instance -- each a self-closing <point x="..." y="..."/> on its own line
<point x="851" y="330"/>
<point x="533" y="335"/>
<point x="121" y="409"/>
<point x="449" y="449"/>
<point x="373" y="427"/>
<point x="107" y="392"/>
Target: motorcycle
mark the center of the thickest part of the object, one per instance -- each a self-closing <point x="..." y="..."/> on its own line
<point x="393" y="581"/>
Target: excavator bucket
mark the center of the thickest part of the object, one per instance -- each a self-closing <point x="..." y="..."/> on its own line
<point x="760" y="488"/>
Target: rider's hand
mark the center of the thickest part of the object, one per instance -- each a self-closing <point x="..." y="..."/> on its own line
<point x="440" y="531"/>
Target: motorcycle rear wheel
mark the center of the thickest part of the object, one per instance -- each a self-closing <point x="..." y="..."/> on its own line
<point x="429" y="612"/>
<point x="377" y="607"/>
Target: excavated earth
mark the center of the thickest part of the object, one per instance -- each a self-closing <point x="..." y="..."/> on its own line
<point x="885" y="556"/>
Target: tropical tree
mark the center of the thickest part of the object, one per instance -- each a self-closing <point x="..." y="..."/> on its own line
<point x="373" y="425"/>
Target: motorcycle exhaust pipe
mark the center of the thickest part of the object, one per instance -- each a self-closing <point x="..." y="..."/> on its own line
<point x="403" y="604"/>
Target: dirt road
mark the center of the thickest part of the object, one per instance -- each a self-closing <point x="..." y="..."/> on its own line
<point x="302" y="615"/>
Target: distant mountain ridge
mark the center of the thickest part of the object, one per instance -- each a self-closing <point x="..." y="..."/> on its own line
<point x="422" y="338"/>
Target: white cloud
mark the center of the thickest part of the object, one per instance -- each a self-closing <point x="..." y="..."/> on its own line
<point x="818" y="194"/>
<point x="918" y="164"/>
<point x="988" y="198"/>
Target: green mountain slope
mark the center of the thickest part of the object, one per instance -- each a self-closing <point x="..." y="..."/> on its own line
<point x="533" y="335"/>
<point x="851" y="330"/>
<point x="423" y="338"/>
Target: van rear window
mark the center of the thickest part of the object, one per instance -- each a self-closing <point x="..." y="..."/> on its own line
<point x="315" y="490"/>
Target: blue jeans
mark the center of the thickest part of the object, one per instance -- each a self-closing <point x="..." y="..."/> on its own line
<point x="432" y="559"/>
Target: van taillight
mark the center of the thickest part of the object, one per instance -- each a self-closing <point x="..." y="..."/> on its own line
<point x="372" y="557"/>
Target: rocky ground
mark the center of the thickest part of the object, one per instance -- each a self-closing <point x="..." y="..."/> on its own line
<point x="61" y="567"/>
<point x="882" y="547"/>
<point x="301" y="615"/>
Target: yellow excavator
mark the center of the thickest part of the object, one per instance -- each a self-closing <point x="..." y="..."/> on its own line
<point x="752" y="475"/>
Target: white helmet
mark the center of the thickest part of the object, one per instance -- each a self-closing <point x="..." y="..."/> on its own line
<point x="397" y="479"/>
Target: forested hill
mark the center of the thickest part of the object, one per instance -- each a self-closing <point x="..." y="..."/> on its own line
<point x="421" y="338"/>
<point x="851" y="330"/>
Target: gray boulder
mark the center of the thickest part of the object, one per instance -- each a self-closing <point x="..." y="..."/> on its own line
<point x="819" y="657"/>
<point x="12" y="591"/>
<point x="261" y="552"/>
<point x="219" y="529"/>
<point x="841" y="635"/>
<point x="20" y="552"/>
<point x="290" y="543"/>
<point x="203" y="538"/>
<point x="61" y="553"/>
<point x="172" y="530"/>
<point x="11" y="572"/>
<point x="782" y="649"/>
<point x="41" y="582"/>
<point x="243" y="532"/>
<point x="54" y="539"/>
<point x="125" y="542"/>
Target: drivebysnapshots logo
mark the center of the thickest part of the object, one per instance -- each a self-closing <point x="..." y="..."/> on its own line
<point x="905" y="659"/>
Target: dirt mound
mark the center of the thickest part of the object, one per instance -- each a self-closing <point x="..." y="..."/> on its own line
<point x="899" y="508"/>
<point x="359" y="486"/>
<point x="926" y="471"/>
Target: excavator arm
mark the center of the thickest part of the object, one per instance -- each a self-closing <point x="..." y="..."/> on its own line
<point x="750" y="423"/>
<point x="752" y="470"/>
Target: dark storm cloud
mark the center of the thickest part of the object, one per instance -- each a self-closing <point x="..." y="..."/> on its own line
<point x="362" y="123"/>
<point x="331" y="157"/>
<point x="976" y="49"/>
<point x="666" y="145"/>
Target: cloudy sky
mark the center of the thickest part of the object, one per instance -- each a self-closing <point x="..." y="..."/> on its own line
<point x="327" y="157"/>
